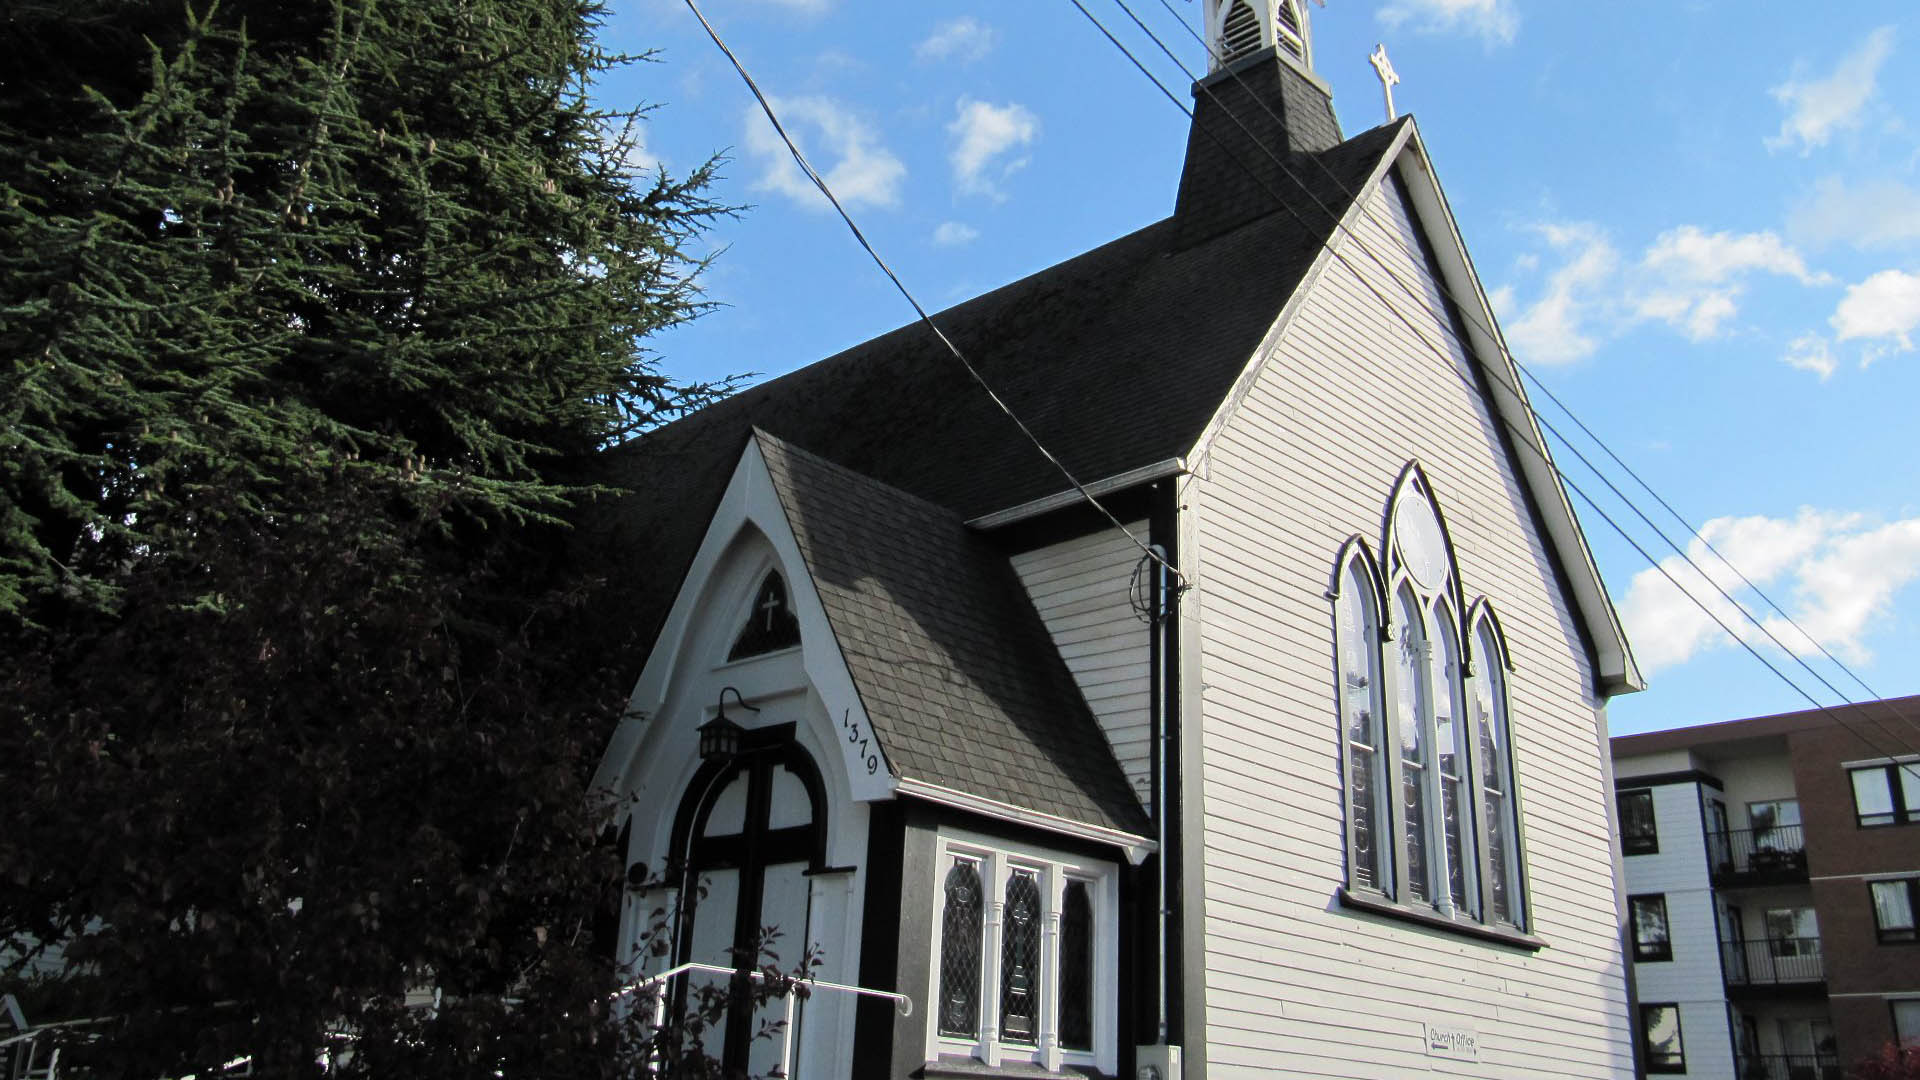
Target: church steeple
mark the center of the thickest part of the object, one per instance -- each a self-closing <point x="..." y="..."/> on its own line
<point x="1237" y="28"/>
<point x="1258" y="109"/>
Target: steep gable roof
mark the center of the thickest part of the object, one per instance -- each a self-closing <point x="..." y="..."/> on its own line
<point x="960" y="682"/>
<point x="1116" y="359"/>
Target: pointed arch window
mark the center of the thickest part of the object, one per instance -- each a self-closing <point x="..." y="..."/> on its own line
<point x="771" y="625"/>
<point x="1422" y="700"/>
<point x="1240" y="32"/>
<point x="1357" y="630"/>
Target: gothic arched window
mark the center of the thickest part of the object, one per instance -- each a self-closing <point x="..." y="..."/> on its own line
<point x="1419" y="722"/>
<point x="771" y="625"/>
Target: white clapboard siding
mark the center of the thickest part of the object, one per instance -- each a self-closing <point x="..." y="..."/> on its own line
<point x="1294" y="984"/>
<point x="1083" y="591"/>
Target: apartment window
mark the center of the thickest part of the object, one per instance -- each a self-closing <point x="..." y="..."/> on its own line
<point x="1776" y="824"/>
<point x="1431" y="801"/>
<point x="1639" y="835"/>
<point x="1026" y="947"/>
<point x="1792" y="932"/>
<point x="1906" y="1021"/>
<point x="1660" y="1043"/>
<point x="1886" y="794"/>
<point x="1893" y="906"/>
<point x="1651" y="940"/>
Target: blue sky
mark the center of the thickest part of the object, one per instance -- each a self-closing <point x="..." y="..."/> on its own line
<point x="1699" y="222"/>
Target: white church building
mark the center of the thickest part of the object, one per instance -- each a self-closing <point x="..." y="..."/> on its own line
<point x="1304" y="773"/>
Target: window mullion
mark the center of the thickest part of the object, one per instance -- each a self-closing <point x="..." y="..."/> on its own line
<point x="1048" y="983"/>
<point x="989" y="1049"/>
<point x="1432" y="781"/>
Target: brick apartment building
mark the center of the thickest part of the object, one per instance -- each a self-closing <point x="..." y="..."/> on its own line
<point x="1773" y="874"/>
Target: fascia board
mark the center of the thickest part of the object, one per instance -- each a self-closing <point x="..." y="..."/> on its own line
<point x="1618" y="672"/>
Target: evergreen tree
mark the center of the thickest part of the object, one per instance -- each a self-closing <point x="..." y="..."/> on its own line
<point x="309" y="312"/>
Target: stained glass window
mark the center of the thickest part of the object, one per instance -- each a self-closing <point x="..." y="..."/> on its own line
<point x="1020" y="959"/>
<point x="1076" y="968"/>
<point x="771" y="626"/>
<point x="960" y="925"/>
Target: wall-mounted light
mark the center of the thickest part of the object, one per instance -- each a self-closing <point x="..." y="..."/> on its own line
<point x="720" y="737"/>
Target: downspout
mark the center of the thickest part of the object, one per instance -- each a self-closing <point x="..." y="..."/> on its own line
<point x="1158" y="684"/>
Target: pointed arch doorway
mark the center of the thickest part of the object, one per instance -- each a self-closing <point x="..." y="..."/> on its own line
<point x="750" y="831"/>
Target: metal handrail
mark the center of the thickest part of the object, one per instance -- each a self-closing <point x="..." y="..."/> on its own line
<point x="900" y="1001"/>
<point x="1776" y="849"/>
<point x="1767" y="961"/>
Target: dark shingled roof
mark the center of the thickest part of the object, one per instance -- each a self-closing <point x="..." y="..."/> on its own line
<point x="1116" y="359"/>
<point x="957" y="673"/>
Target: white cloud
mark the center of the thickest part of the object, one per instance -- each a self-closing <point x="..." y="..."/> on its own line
<point x="1494" y="21"/>
<point x="1816" y="108"/>
<point x="1688" y="278"/>
<point x="1810" y="352"/>
<point x="1873" y="214"/>
<point x="1885" y="306"/>
<point x="846" y="152"/>
<point x="985" y="138"/>
<point x="1692" y="279"/>
<point x="1842" y="572"/>
<point x="1554" y="329"/>
<point x="955" y="234"/>
<point x="964" y="39"/>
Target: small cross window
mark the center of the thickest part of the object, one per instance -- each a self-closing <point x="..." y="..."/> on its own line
<point x="771" y="625"/>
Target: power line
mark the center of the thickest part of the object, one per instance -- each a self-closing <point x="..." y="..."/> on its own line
<point x="818" y="182"/>
<point x="1467" y="315"/>
<point x="1493" y="336"/>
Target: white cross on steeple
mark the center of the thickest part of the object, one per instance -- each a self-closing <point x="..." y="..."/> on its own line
<point x="1389" y="78"/>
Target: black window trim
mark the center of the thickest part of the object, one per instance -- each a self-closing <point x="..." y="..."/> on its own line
<point x="1899" y="773"/>
<point x="1910" y="936"/>
<point x="1664" y="951"/>
<point x="1646" y="1045"/>
<point x="1650" y="845"/>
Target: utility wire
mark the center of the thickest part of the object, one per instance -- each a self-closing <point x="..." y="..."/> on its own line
<point x="801" y="159"/>
<point x="1442" y="353"/>
<point x="1468" y="315"/>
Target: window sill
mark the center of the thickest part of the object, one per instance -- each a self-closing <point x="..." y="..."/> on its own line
<point x="1434" y="920"/>
<point x="957" y="1068"/>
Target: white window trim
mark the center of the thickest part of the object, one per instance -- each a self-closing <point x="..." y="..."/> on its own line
<point x="997" y="858"/>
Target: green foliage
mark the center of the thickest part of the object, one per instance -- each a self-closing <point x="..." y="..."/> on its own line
<point x="310" y="312"/>
<point x="264" y="243"/>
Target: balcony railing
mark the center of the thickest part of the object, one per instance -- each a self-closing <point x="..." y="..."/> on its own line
<point x="1778" y="853"/>
<point x="1773" y="962"/>
<point x="1788" y="1067"/>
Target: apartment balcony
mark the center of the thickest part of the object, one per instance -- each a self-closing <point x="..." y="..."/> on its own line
<point x="1771" y="856"/>
<point x="1776" y="967"/>
<point x="1788" y="1067"/>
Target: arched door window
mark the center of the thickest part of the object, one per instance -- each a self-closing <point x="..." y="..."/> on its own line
<point x="747" y="832"/>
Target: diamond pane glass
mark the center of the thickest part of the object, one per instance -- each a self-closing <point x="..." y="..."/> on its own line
<point x="1020" y="960"/>
<point x="1076" y="968"/>
<point x="960" y="952"/>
